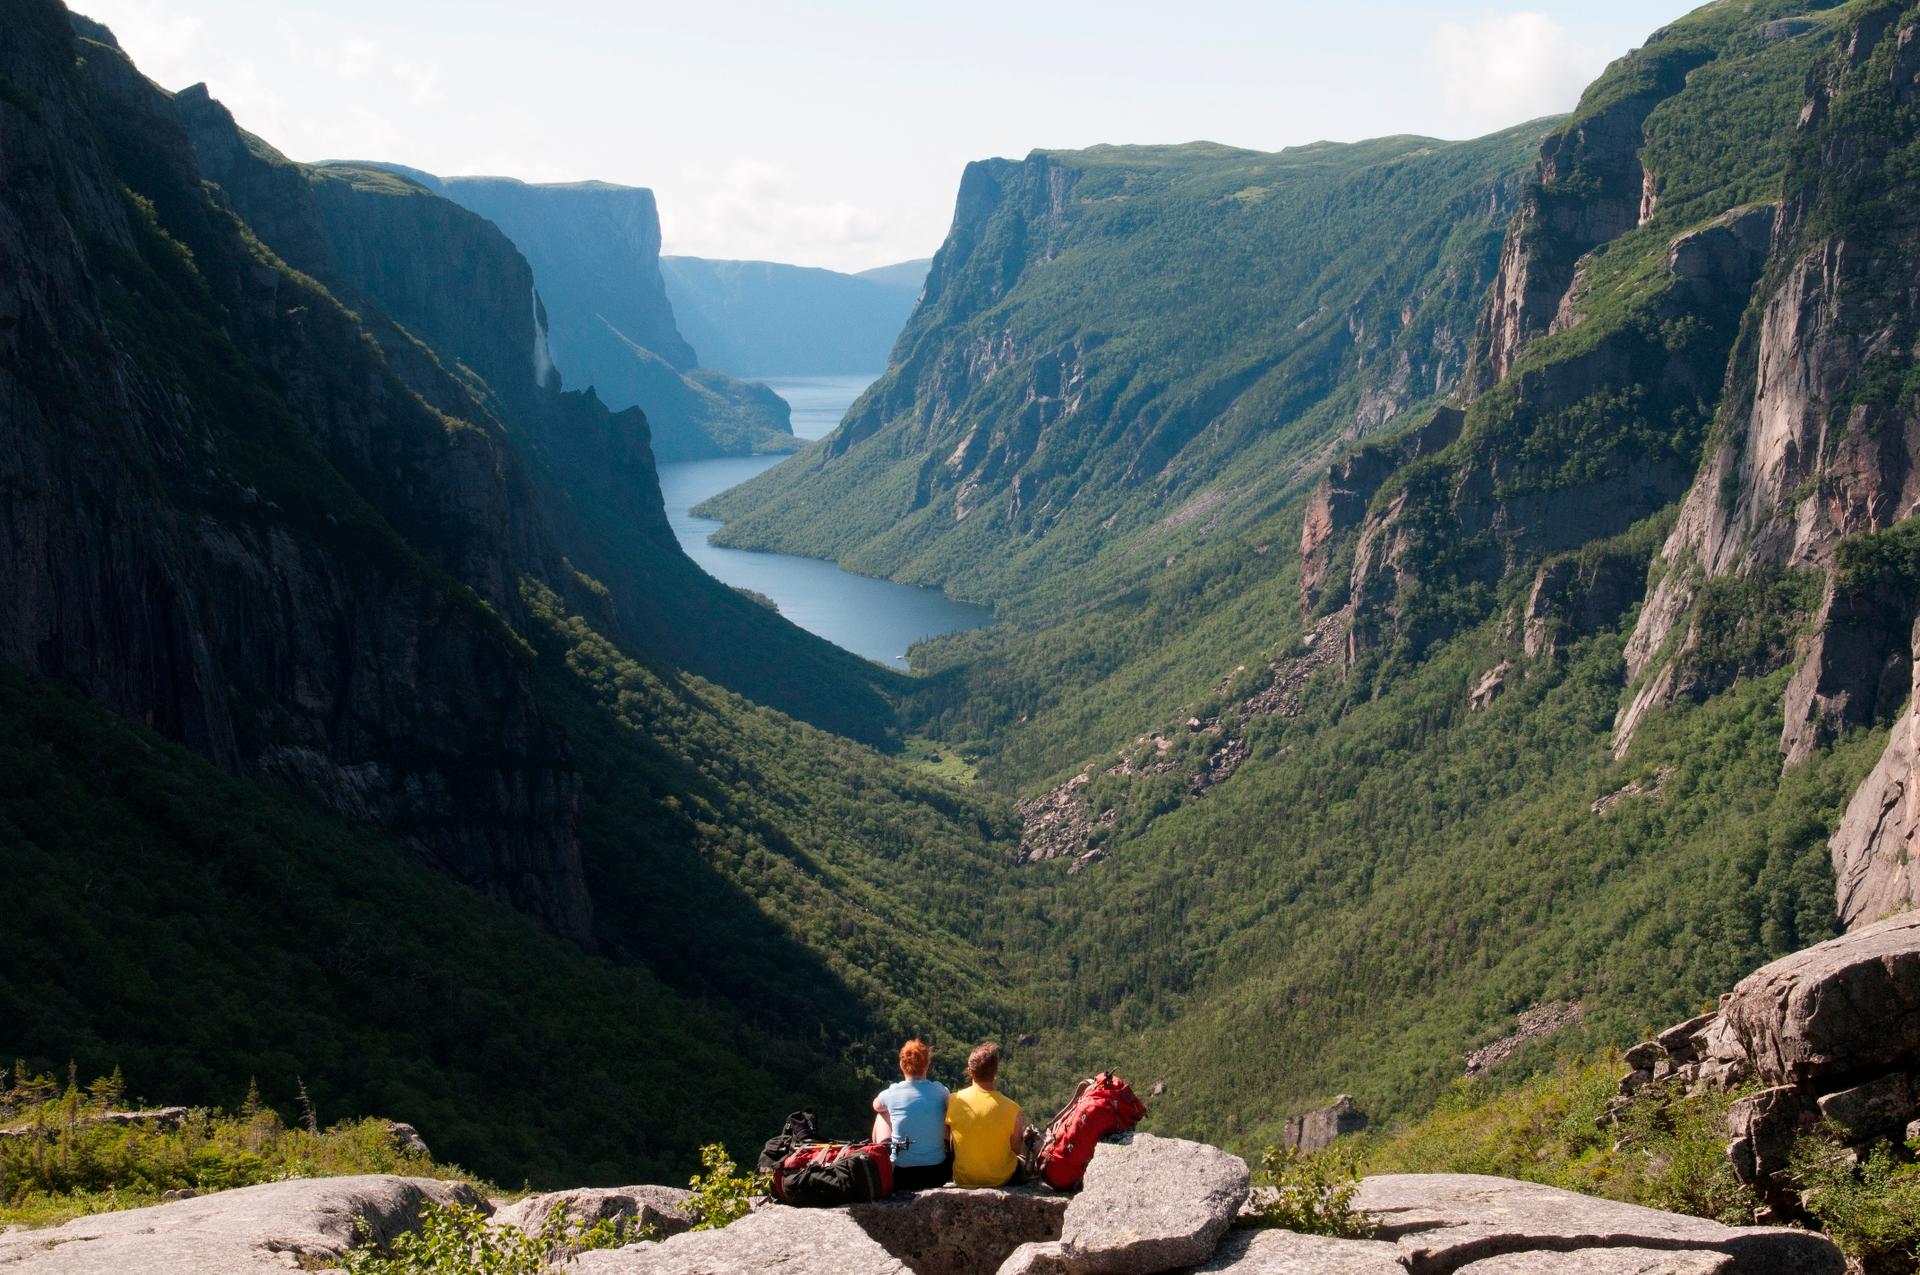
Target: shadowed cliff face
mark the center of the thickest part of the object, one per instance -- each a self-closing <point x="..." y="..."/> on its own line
<point x="594" y="249"/>
<point x="214" y="471"/>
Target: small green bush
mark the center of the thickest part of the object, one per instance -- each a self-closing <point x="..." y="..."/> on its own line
<point x="1311" y="1192"/>
<point x="1871" y="1208"/>
<point x="721" y="1193"/>
<point x="456" y="1240"/>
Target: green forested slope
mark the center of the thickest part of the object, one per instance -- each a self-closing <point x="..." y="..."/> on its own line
<point x="1125" y="351"/>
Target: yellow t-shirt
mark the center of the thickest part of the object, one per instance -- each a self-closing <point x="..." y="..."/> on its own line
<point x="983" y="1123"/>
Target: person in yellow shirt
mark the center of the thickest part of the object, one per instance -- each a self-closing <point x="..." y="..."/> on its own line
<point x="987" y="1125"/>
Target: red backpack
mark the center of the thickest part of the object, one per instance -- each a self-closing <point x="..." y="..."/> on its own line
<point x="1102" y="1105"/>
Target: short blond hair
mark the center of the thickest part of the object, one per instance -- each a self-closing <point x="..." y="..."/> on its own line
<point x="983" y="1064"/>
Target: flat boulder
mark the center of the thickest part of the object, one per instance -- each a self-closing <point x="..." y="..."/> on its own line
<point x="959" y="1231"/>
<point x="661" y="1207"/>
<point x="1605" y="1261"/>
<point x="1271" y="1251"/>
<point x="1846" y="1007"/>
<point x="306" y="1224"/>
<point x="1443" y="1222"/>
<point x="774" y="1238"/>
<point x="1149" y="1204"/>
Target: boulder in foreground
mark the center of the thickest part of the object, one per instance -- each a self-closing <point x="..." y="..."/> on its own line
<point x="307" y="1224"/>
<point x="1445" y="1221"/>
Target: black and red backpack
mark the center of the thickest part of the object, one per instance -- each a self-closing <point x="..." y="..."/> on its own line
<point x="1101" y="1105"/>
<point x="811" y="1174"/>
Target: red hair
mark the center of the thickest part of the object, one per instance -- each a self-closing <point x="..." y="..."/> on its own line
<point x="915" y="1058"/>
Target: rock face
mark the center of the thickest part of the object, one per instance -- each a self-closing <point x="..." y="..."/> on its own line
<point x="594" y="249"/>
<point x="659" y="1207"/>
<point x="1820" y="443"/>
<point x="1442" y="1222"/>
<point x="1876" y="865"/>
<point x="261" y="610"/>
<point x="954" y="1231"/>
<point x="1259" y="1251"/>
<point x="1149" y="1204"/>
<point x="271" y="1228"/>
<point x="774" y="1238"/>
<point x="1315" y="1130"/>
<point x="1832" y="1031"/>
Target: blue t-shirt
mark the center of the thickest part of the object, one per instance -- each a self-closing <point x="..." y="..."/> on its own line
<point x="918" y="1109"/>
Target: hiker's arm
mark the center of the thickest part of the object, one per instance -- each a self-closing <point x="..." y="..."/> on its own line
<point x="882" y="1121"/>
<point x="1019" y="1133"/>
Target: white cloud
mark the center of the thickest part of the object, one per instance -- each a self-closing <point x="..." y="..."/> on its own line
<point x="1505" y="68"/>
<point x="754" y="210"/>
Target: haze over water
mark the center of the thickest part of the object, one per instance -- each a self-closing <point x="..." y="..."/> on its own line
<point x="875" y="618"/>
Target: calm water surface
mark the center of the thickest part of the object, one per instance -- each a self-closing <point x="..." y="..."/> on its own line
<point x="875" y="618"/>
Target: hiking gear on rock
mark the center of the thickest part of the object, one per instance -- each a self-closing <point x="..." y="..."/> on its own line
<point x="1101" y="1105"/>
<point x="829" y="1174"/>
<point x="808" y="1173"/>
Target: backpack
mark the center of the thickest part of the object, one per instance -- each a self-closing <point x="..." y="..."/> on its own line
<point x="1102" y="1105"/>
<point x="808" y="1173"/>
<point x="829" y="1174"/>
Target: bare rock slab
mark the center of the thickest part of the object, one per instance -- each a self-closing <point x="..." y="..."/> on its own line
<point x="276" y="1227"/>
<point x="1443" y="1222"/>
<point x="1149" y="1204"/>
<point x="1271" y="1251"/>
<point x="1605" y="1261"/>
<point x="956" y="1231"/>
<point x="661" y="1207"/>
<point x="1846" y="1007"/>
<point x="775" y="1238"/>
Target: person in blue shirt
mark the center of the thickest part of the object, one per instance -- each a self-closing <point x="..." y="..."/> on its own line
<point x="912" y="1115"/>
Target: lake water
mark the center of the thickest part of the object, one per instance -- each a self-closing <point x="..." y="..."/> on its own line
<point x="875" y="618"/>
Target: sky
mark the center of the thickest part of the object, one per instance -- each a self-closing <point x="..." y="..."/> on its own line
<point x="834" y="133"/>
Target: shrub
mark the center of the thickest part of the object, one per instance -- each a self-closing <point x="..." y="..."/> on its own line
<point x="721" y="1193"/>
<point x="456" y="1240"/>
<point x="1870" y="1208"/>
<point x="1311" y="1192"/>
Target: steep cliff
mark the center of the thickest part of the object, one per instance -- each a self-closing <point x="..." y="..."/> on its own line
<point x="1817" y="441"/>
<point x="1603" y="350"/>
<point x="1126" y="351"/>
<point x="595" y="252"/>
<point x="422" y="271"/>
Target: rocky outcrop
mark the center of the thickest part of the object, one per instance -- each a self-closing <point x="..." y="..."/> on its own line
<point x="307" y="1225"/>
<point x="1534" y="1023"/>
<point x="1818" y="441"/>
<point x="1830" y="1032"/>
<point x="1316" y="1130"/>
<point x="1259" y="1251"/>
<point x="660" y="1209"/>
<point x="957" y="1231"/>
<point x="1590" y="188"/>
<point x="594" y="249"/>
<point x="1446" y="1222"/>
<point x="1876" y="865"/>
<point x="774" y="1238"/>
<point x="1338" y="505"/>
